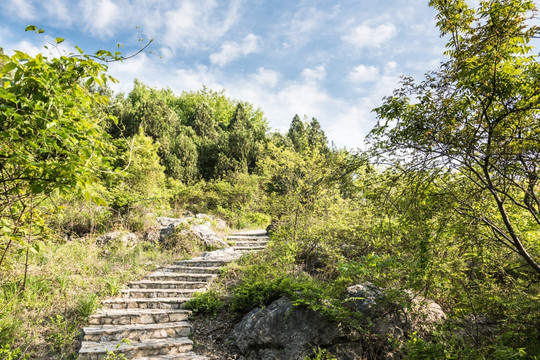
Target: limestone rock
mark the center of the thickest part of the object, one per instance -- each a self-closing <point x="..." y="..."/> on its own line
<point x="391" y="319"/>
<point x="199" y="225"/>
<point x="363" y="298"/>
<point x="227" y="254"/>
<point x="207" y="235"/>
<point x="123" y="237"/>
<point x="282" y="331"/>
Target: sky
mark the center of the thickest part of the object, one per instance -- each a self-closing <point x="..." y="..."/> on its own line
<point x="332" y="60"/>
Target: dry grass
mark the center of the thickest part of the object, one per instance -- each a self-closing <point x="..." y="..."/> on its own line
<point x="65" y="282"/>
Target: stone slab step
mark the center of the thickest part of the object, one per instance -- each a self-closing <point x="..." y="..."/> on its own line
<point x="139" y="332"/>
<point x="191" y="269"/>
<point x="202" y="262"/>
<point x="256" y="232"/>
<point x="98" y="350"/>
<point x="156" y="293"/>
<point x="248" y="248"/>
<point x="138" y="316"/>
<point x="146" y="303"/>
<point x="186" y="356"/>
<point x="173" y="276"/>
<point x="251" y="243"/>
<point x="161" y="284"/>
<point x="252" y="238"/>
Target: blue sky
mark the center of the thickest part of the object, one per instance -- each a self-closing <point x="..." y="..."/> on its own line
<point x="333" y="60"/>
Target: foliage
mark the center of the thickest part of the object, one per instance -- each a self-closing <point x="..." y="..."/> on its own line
<point x="200" y="134"/>
<point x="114" y="355"/>
<point x="208" y="302"/>
<point x="477" y="116"/>
<point x="320" y="354"/>
<point x="87" y="305"/>
<point x="129" y="188"/>
<point x="51" y="139"/>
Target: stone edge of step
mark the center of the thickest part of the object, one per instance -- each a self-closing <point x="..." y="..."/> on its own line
<point x="91" y="347"/>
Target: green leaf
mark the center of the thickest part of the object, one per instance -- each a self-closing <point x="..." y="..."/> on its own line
<point x="59" y="40"/>
<point x="99" y="201"/>
<point x="78" y="49"/>
<point x="31" y="28"/>
<point x="8" y="67"/>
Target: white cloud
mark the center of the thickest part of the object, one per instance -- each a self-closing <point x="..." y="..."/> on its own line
<point x="266" y="78"/>
<point x="101" y="17"/>
<point x="24" y="46"/>
<point x="366" y="36"/>
<point x="57" y="9"/>
<point x="21" y="9"/>
<point x="195" y="22"/>
<point x="314" y="75"/>
<point x="141" y="67"/>
<point x="231" y="50"/>
<point x="232" y="16"/>
<point x="306" y="24"/>
<point x="363" y="74"/>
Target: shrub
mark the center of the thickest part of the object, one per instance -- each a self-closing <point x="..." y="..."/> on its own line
<point x="208" y="302"/>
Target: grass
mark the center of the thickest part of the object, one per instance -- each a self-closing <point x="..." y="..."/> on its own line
<point x="65" y="283"/>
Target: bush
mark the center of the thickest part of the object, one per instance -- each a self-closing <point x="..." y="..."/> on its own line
<point x="208" y="302"/>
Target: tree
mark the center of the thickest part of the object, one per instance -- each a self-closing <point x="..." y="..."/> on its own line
<point x="298" y="134"/>
<point x="307" y="136"/>
<point x="477" y="117"/>
<point x="241" y="145"/>
<point x="51" y="135"/>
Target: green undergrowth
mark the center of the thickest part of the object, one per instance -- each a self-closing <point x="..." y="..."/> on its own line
<point x="65" y="283"/>
<point x="317" y="279"/>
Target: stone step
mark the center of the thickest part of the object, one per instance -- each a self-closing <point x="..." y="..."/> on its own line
<point x="191" y="269"/>
<point x="156" y="293"/>
<point x="201" y="263"/>
<point x="252" y="238"/>
<point x="144" y="303"/>
<point x="160" y="284"/>
<point x="186" y="356"/>
<point x="98" y="350"/>
<point x="137" y="332"/>
<point x="251" y="243"/>
<point x="256" y="232"/>
<point x="172" y="276"/>
<point x="248" y="248"/>
<point x="138" y="316"/>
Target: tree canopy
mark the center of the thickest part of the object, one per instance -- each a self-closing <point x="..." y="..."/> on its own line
<point x="477" y="117"/>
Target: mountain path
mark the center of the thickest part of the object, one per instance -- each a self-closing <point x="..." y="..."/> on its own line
<point x="150" y="313"/>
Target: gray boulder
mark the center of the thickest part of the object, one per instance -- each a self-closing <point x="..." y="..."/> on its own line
<point x="199" y="225"/>
<point x="282" y="331"/>
<point x="126" y="238"/>
<point x="226" y="254"/>
<point x="207" y="235"/>
<point x="390" y="319"/>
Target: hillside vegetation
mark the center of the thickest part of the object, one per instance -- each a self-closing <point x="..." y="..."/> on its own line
<point x="445" y="203"/>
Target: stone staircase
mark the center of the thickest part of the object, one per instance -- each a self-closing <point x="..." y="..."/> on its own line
<point x="149" y="313"/>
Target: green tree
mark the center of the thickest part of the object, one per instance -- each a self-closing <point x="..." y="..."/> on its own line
<point x="51" y="135"/>
<point x="477" y="116"/>
<point x="298" y="134"/>
<point x="241" y="145"/>
<point x="306" y="135"/>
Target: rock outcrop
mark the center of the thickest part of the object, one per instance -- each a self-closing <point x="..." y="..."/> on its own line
<point x="200" y="225"/>
<point x="282" y="331"/>
<point x="126" y="238"/>
<point x="389" y="319"/>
